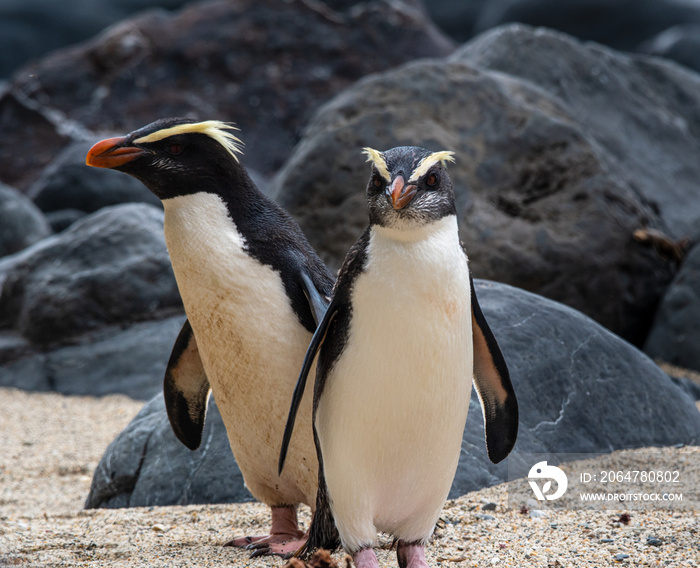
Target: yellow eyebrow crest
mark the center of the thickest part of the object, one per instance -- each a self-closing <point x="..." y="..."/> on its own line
<point x="215" y="129"/>
<point x="377" y="158"/>
<point x="427" y="162"/>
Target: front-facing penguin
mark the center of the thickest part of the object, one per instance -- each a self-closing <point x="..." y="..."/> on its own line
<point x="397" y="349"/>
<point x="253" y="289"/>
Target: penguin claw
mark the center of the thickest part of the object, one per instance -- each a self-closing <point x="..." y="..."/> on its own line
<point x="270" y="549"/>
<point x="257" y="545"/>
<point x="260" y="551"/>
<point x="244" y="541"/>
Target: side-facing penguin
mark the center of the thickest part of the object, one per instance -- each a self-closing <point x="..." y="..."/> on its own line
<point x="253" y="290"/>
<point x="397" y="349"/>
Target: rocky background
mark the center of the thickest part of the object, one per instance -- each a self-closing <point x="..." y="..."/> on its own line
<point x="577" y="181"/>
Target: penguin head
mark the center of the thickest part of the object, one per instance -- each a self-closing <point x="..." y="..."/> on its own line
<point x="173" y="156"/>
<point x="409" y="187"/>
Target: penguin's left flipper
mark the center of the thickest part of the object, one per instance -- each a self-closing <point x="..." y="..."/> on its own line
<point x="492" y="382"/>
<point x="311" y="352"/>
<point x="186" y="389"/>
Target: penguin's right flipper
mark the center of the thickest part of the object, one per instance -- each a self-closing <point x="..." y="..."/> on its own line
<point x="492" y="383"/>
<point x="186" y="389"/>
<point x="317" y="302"/>
<point x="311" y="352"/>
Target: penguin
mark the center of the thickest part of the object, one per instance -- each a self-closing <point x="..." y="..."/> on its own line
<point x="396" y="352"/>
<point x="253" y="291"/>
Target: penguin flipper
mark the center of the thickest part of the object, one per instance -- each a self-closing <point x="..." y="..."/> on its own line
<point x="492" y="382"/>
<point x="311" y="352"/>
<point x="317" y="302"/>
<point x="186" y="389"/>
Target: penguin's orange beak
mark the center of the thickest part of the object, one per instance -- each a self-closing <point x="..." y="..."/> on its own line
<point x="112" y="153"/>
<point x="400" y="193"/>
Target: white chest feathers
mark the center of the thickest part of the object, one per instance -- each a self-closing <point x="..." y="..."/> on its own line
<point x="394" y="406"/>
<point x="251" y="343"/>
<point x="223" y="287"/>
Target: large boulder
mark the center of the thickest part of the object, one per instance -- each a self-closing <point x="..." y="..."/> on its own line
<point x="146" y="465"/>
<point x="111" y="267"/>
<point x="552" y="176"/>
<point x="580" y="388"/>
<point x="263" y="64"/>
<point x="129" y="361"/>
<point x="675" y="333"/>
<point x="91" y="311"/>
<point x="622" y="24"/>
<point x="21" y="222"/>
<point x="641" y="114"/>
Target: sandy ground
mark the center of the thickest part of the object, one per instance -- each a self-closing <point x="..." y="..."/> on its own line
<point x="51" y="443"/>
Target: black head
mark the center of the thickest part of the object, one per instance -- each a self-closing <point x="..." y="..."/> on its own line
<point x="173" y="156"/>
<point x="409" y="187"/>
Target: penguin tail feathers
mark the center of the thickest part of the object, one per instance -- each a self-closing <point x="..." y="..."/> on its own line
<point x="323" y="533"/>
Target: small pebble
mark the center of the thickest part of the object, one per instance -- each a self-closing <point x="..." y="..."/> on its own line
<point x="489" y="507"/>
<point x="537" y="514"/>
<point x="620" y="557"/>
<point x="485" y="517"/>
<point x="607" y="540"/>
<point x="653" y="541"/>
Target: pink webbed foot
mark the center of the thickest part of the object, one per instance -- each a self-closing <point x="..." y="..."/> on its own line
<point x="411" y="555"/>
<point x="365" y="558"/>
<point x="284" y="540"/>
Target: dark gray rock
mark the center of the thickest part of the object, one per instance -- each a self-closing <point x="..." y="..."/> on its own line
<point x="69" y="184"/>
<point x="675" y="333"/>
<point x="31" y="28"/>
<point x="127" y="361"/>
<point x="580" y="388"/>
<point x="263" y="64"/>
<point x="61" y="219"/>
<point x="111" y="267"/>
<point x="60" y="299"/>
<point x="621" y="24"/>
<point x="21" y="223"/>
<point x="552" y="174"/>
<point x="680" y="43"/>
<point x="641" y="114"/>
<point x="146" y="465"/>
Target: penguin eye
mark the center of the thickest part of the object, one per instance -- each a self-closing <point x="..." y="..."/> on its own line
<point x="431" y="180"/>
<point x="175" y="149"/>
<point x="377" y="182"/>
